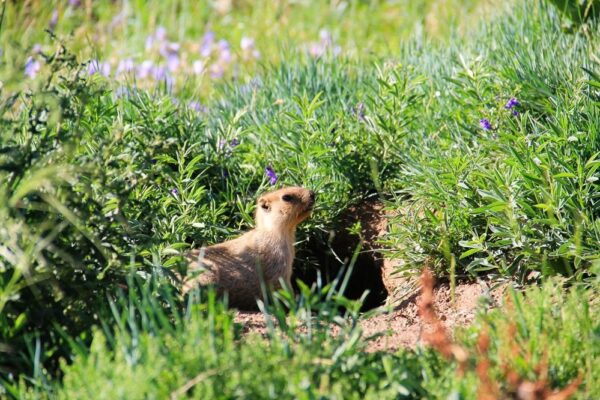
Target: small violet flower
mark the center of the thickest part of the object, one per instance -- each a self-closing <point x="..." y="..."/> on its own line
<point x="513" y="102"/>
<point x="216" y="71"/>
<point x="173" y="62"/>
<point x="234" y="142"/>
<point x="198" y="67"/>
<point x="249" y="48"/>
<point x="53" y="20"/>
<point x="121" y="91"/>
<point x="325" y="37"/>
<point x="160" y="34"/>
<point x="271" y="175"/>
<point x="125" y="66"/>
<point x="159" y="73"/>
<point x="207" y="44"/>
<point x="485" y="124"/>
<point x="174" y="191"/>
<point x="247" y="44"/>
<point x="97" y="67"/>
<point x="32" y="67"/>
<point x="196" y="106"/>
<point x="145" y="69"/>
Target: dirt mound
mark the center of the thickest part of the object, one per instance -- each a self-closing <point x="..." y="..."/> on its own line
<point x="402" y="327"/>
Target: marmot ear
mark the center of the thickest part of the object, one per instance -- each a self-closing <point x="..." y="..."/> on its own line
<point x="264" y="204"/>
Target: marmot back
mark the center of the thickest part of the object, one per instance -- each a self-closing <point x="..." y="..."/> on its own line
<point x="264" y="254"/>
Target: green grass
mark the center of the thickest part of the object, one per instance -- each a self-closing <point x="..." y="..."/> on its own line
<point x="105" y="178"/>
<point x="146" y="351"/>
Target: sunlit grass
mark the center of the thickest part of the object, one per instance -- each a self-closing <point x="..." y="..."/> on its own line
<point x="476" y="124"/>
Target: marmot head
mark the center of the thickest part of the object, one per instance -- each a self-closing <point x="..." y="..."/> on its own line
<point x="283" y="209"/>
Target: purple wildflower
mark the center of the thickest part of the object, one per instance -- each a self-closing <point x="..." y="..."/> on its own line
<point x="122" y="91"/>
<point x="216" y="71"/>
<point x="360" y="111"/>
<point x="198" y="67"/>
<point x="171" y="48"/>
<point x="325" y="44"/>
<point x="53" y="20"/>
<point x="145" y="69"/>
<point x="149" y="42"/>
<point x="196" y="106"/>
<point x="97" y="67"/>
<point x="32" y="67"/>
<point x="160" y="34"/>
<point x="223" y="45"/>
<point x="249" y="48"/>
<point x="93" y="67"/>
<point x="485" y="124"/>
<point x="74" y="3"/>
<point x="125" y="66"/>
<point x="224" y="51"/>
<point x="222" y="144"/>
<point x="225" y="56"/>
<point x="174" y="191"/>
<point x="325" y="37"/>
<point x="515" y="113"/>
<point x="316" y="50"/>
<point x="207" y="43"/>
<point x="271" y="175"/>
<point x="159" y="73"/>
<point x="513" y="102"/>
<point x="172" y="62"/>
<point x="247" y="44"/>
<point x="234" y="142"/>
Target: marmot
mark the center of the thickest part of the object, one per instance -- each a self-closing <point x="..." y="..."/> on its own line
<point x="265" y="253"/>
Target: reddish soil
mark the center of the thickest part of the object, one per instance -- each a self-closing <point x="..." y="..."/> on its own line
<point x="402" y="327"/>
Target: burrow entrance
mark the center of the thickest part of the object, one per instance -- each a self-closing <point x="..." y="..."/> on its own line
<point x="334" y="250"/>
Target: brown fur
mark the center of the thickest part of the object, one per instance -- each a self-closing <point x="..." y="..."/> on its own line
<point x="264" y="254"/>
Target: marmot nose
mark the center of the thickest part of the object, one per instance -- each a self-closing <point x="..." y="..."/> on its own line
<point x="312" y="196"/>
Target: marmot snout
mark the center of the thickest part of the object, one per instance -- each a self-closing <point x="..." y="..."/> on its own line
<point x="264" y="254"/>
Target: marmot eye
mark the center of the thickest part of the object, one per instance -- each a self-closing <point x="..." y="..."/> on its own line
<point x="287" y="197"/>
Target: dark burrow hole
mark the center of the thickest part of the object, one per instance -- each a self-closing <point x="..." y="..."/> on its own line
<point x="366" y="274"/>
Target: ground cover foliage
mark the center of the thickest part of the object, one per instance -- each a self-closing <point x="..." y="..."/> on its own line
<point x="485" y="147"/>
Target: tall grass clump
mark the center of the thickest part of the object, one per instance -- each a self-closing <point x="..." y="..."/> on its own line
<point x="498" y="150"/>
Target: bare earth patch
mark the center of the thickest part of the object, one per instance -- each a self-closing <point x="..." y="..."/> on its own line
<point x="402" y="327"/>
